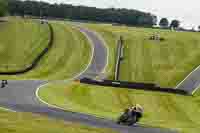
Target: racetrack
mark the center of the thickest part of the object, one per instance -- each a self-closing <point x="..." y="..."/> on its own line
<point x="99" y="60"/>
<point x="191" y="83"/>
<point x="20" y="95"/>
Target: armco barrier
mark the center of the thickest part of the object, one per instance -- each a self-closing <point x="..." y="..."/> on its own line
<point x="132" y="85"/>
<point x="118" y="57"/>
<point x="37" y="59"/>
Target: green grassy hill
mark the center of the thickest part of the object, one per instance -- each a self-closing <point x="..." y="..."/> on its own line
<point x="69" y="55"/>
<point x="32" y="123"/>
<point x="20" y="43"/>
<point x="166" y="63"/>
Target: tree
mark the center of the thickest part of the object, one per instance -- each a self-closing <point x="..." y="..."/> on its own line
<point x="199" y="27"/>
<point x="121" y="16"/>
<point x="3" y="7"/>
<point x="164" y="22"/>
<point x="175" y="24"/>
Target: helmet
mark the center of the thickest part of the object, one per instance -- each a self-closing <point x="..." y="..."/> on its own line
<point x="139" y="108"/>
<point x="134" y="108"/>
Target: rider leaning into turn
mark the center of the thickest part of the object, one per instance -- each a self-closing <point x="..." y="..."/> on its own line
<point x="131" y="115"/>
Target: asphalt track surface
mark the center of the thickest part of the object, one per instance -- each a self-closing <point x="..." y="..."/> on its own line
<point x="20" y="96"/>
<point x="99" y="60"/>
<point x="191" y="83"/>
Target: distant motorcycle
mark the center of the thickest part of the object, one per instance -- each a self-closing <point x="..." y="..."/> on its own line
<point x="131" y="116"/>
<point x="4" y="83"/>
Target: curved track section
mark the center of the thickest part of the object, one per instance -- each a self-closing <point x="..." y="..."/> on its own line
<point x="191" y="83"/>
<point x="100" y="53"/>
<point x="20" y="96"/>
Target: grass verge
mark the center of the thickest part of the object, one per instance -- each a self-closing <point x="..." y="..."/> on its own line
<point x="161" y="109"/>
<point x="32" y="123"/>
<point x="20" y="43"/>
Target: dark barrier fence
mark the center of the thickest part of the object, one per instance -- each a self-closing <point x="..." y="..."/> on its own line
<point x="132" y="85"/>
<point x="37" y="59"/>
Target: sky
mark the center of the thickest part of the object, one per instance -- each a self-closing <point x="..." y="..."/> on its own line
<point x="187" y="11"/>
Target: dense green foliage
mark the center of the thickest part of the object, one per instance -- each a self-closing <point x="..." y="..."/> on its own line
<point x="3" y="7"/>
<point x="31" y="123"/>
<point x="175" y="24"/>
<point x="124" y="16"/>
<point x="164" y="22"/>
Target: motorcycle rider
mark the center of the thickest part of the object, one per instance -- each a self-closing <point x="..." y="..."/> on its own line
<point x="135" y="110"/>
<point x="4" y="83"/>
<point x="131" y="115"/>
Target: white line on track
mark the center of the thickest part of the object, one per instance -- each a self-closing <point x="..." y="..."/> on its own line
<point x="6" y="109"/>
<point x="104" y="43"/>
<point x="195" y="89"/>
<point x="44" y="102"/>
<point x="106" y="46"/>
<point x="187" y="76"/>
<point x="198" y="67"/>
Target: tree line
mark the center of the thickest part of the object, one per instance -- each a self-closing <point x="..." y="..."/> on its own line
<point x="3" y="7"/>
<point x="164" y="23"/>
<point x="121" y="16"/>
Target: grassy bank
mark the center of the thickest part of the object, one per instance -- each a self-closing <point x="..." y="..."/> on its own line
<point x="166" y="63"/>
<point x="26" y="122"/>
<point x="161" y="109"/>
<point x="20" y="43"/>
<point x="69" y="55"/>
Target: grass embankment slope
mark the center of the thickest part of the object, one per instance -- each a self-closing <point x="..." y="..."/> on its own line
<point x="20" y="43"/>
<point x="165" y="62"/>
<point x="31" y="123"/>
<point x="69" y="55"/>
<point x="161" y="109"/>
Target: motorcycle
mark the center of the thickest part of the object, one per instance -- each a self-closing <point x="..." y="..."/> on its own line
<point x="129" y="118"/>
